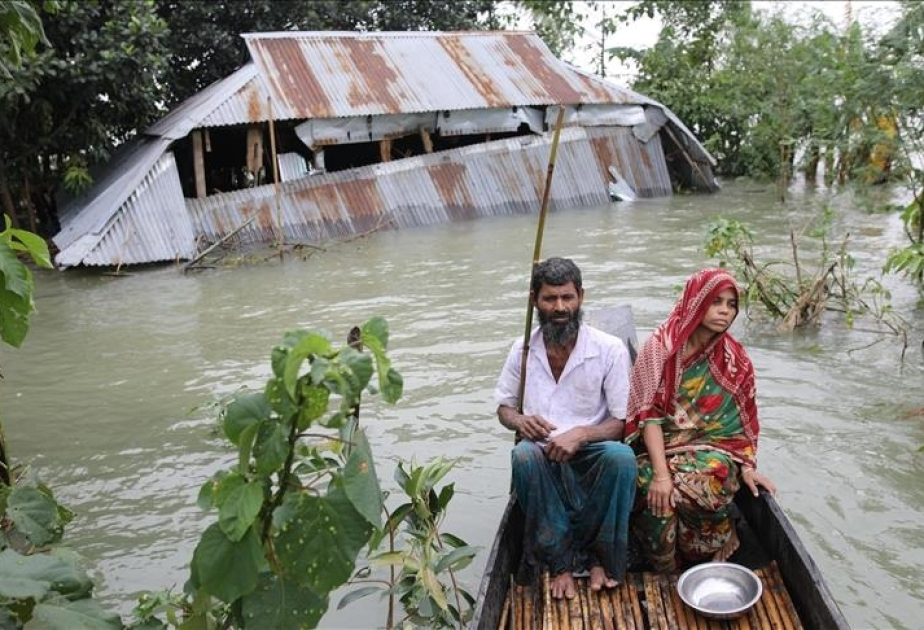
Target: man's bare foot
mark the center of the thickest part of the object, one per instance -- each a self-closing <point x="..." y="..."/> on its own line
<point x="599" y="579"/>
<point x="563" y="586"/>
<point x="730" y="547"/>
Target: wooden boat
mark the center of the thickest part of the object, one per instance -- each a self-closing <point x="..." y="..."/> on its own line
<point x="795" y="594"/>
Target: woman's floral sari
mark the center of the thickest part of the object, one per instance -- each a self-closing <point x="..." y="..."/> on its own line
<point x="707" y="412"/>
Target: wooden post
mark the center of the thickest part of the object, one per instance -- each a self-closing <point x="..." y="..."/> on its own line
<point x="254" y="150"/>
<point x="385" y="149"/>
<point x="426" y="139"/>
<point x="198" y="163"/>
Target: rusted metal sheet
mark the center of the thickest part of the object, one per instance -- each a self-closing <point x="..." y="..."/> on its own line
<point x="212" y="105"/>
<point x="332" y="75"/>
<point x="151" y="225"/>
<point x="500" y="177"/>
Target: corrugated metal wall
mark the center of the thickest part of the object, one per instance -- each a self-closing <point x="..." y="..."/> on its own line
<point x="152" y="225"/>
<point x="500" y="177"/>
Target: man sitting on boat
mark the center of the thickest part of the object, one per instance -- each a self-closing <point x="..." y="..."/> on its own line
<point x="573" y="479"/>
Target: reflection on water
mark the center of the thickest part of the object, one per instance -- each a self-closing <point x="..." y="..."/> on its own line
<point x="109" y="397"/>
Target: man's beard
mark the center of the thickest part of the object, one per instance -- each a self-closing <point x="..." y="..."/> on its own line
<point x="555" y="334"/>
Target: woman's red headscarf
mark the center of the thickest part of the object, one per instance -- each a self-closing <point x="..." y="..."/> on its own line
<point x="656" y="374"/>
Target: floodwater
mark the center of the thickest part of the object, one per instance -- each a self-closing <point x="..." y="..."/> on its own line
<point x="110" y="399"/>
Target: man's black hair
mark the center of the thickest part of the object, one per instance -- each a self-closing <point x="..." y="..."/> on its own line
<point x="555" y="272"/>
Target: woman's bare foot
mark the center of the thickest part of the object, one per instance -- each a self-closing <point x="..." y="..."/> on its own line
<point x="563" y="586"/>
<point x="730" y="547"/>
<point x="599" y="579"/>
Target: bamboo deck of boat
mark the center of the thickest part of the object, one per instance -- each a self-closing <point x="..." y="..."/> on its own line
<point x="645" y="600"/>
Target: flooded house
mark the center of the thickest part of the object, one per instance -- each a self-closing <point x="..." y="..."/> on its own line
<point x="327" y="135"/>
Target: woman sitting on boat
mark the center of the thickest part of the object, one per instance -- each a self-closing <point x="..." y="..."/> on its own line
<point x="692" y="417"/>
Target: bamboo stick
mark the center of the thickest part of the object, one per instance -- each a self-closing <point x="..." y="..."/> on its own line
<point x="546" y="601"/>
<point x="528" y="621"/>
<point x="537" y="250"/>
<point x="564" y="619"/>
<point x="505" y="612"/>
<point x="635" y="605"/>
<point x="574" y="612"/>
<point x="606" y="608"/>
<point x="620" y="619"/>
<point x="583" y="589"/>
<point x="596" y="616"/>
<point x="784" y="601"/>
<point x="272" y="130"/>
<point x="220" y="241"/>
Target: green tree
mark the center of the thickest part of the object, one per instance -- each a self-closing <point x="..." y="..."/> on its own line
<point x="901" y="52"/>
<point x="63" y="112"/>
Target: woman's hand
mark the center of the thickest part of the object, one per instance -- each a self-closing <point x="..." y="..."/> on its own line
<point x="752" y="479"/>
<point x="661" y="496"/>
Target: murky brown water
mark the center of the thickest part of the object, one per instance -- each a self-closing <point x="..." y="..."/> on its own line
<point x="105" y="399"/>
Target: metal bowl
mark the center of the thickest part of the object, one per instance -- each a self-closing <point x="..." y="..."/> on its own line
<point x="722" y="590"/>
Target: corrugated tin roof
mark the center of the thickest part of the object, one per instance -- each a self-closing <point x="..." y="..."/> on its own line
<point x="335" y="74"/>
<point x="151" y="225"/>
<point x="92" y="211"/>
<point x="496" y="178"/>
<point x="190" y="114"/>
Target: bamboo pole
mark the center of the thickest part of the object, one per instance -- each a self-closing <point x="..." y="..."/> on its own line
<point x="281" y="237"/>
<point x="537" y="250"/>
<point x="219" y="242"/>
<point x="505" y="612"/>
<point x="546" y="601"/>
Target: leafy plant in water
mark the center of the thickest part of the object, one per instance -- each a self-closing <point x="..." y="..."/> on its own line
<point x="300" y="504"/>
<point x="800" y="297"/>
<point x="419" y="554"/>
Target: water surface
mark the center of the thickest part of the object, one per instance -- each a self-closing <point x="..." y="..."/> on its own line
<point x="109" y="399"/>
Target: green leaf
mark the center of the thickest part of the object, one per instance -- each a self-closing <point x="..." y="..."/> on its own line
<point x="452" y="540"/>
<point x="245" y="411"/>
<point x="392" y="386"/>
<point x="281" y="604"/>
<point x="227" y="569"/>
<point x="376" y="327"/>
<point x="433" y="586"/>
<point x="247" y="438"/>
<point x="271" y="448"/>
<point x="390" y="382"/>
<point x="311" y="344"/>
<point x="359" y="370"/>
<point x="38" y="574"/>
<point x="240" y="509"/>
<point x="388" y="559"/>
<point x="34" y="244"/>
<point x="456" y="559"/>
<point x="279" y="400"/>
<point x="86" y="614"/>
<point x="16" y="276"/>
<point x="278" y="358"/>
<point x="206" y="493"/>
<point x="358" y="593"/>
<point x="35" y="514"/>
<point x="14" y="317"/>
<point x="315" y="400"/>
<point x="225" y="487"/>
<point x="361" y="483"/>
<point x="318" y="542"/>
